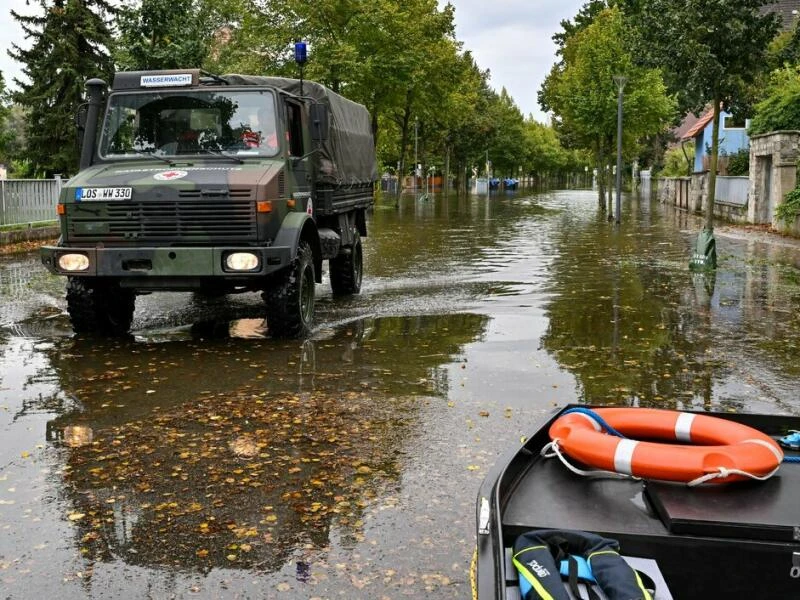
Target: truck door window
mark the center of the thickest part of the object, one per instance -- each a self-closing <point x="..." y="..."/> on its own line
<point x="295" y="128"/>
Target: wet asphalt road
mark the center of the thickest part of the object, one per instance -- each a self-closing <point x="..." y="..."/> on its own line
<point x="201" y="459"/>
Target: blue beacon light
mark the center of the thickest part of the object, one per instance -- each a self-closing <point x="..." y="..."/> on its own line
<point x="300" y="53"/>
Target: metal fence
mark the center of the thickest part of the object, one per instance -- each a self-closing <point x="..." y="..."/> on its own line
<point x="28" y="200"/>
<point x="732" y="190"/>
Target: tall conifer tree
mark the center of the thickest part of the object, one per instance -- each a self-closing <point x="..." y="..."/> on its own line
<point x="69" y="44"/>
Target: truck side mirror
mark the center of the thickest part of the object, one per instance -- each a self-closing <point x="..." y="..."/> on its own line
<point x="319" y="122"/>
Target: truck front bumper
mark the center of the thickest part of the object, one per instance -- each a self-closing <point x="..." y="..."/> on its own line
<point x="166" y="263"/>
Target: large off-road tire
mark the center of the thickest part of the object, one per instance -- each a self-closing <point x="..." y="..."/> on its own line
<point x="346" y="270"/>
<point x="289" y="297"/>
<point x="98" y="306"/>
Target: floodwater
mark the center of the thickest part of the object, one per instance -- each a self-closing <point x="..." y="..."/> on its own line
<point x="199" y="458"/>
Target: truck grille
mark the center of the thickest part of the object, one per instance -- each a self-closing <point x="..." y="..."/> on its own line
<point x="185" y="221"/>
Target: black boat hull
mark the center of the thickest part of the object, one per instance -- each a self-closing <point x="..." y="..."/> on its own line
<point x="740" y="540"/>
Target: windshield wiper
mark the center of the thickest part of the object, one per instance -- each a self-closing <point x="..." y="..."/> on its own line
<point x="152" y="153"/>
<point x="222" y="155"/>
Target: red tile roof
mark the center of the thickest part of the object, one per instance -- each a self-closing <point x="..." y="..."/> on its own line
<point x="699" y="126"/>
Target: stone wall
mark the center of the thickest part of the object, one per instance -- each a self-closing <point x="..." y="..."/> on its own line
<point x="28" y="234"/>
<point x="690" y="193"/>
<point x="773" y="174"/>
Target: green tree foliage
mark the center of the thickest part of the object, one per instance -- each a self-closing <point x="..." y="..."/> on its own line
<point x="709" y="50"/>
<point x="6" y="135"/>
<point x="14" y="133"/>
<point x="678" y="161"/>
<point x="544" y="153"/>
<point x="68" y="47"/>
<point x="508" y="145"/>
<point x="400" y="59"/>
<point x="780" y="108"/>
<point x="582" y="20"/>
<point x="161" y="34"/>
<point x="583" y="96"/>
<point x="739" y="163"/>
<point x="788" y="210"/>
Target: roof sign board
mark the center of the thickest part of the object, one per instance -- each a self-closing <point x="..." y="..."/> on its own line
<point x="166" y="80"/>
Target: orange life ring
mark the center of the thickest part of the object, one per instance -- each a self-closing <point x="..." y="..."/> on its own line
<point x="707" y="449"/>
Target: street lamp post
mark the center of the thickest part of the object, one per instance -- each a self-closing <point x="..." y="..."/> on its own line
<point x="416" y="149"/>
<point x="620" y="80"/>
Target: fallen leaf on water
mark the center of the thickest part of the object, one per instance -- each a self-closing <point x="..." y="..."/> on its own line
<point x="472" y="467"/>
<point x="484" y="413"/>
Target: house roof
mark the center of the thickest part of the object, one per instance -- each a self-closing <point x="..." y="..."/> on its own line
<point x="688" y="121"/>
<point x="698" y="127"/>
<point x="784" y="8"/>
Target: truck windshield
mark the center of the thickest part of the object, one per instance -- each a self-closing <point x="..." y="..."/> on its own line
<point x="190" y="122"/>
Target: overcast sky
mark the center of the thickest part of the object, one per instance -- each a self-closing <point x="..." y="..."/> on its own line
<point x="511" y="38"/>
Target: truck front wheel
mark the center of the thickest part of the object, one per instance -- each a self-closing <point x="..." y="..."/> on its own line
<point x="99" y="306"/>
<point x="346" y="270"/>
<point x="289" y="297"/>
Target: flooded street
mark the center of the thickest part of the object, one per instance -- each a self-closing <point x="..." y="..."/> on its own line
<point x="199" y="458"/>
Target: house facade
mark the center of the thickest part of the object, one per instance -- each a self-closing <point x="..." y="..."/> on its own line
<point x="732" y="138"/>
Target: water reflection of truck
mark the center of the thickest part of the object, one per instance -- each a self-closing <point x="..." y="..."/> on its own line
<point x="218" y="185"/>
<point x="160" y="477"/>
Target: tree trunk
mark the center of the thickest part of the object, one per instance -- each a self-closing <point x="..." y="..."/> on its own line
<point x="403" y="141"/>
<point x="689" y="165"/>
<point x="712" y="175"/>
<point x="610" y="187"/>
<point x="601" y="177"/>
<point x="446" y="178"/>
<point x="374" y="116"/>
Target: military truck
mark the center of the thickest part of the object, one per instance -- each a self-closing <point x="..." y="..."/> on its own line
<point x="213" y="184"/>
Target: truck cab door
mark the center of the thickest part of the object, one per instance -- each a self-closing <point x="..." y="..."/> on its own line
<point x="298" y="163"/>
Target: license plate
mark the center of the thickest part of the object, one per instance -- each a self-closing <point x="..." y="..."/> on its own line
<point x="103" y="193"/>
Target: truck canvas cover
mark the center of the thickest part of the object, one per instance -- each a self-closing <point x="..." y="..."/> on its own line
<point x="345" y="158"/>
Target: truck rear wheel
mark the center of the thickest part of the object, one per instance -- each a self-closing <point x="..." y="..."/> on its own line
<point x="346" y="270"/>
<point x="289" y="297"/>
<point x="99" y="306"/>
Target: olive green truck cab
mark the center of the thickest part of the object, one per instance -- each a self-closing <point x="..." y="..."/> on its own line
<point x="213" y="184"/>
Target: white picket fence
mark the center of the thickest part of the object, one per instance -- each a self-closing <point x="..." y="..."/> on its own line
<point x="28" y="200"/>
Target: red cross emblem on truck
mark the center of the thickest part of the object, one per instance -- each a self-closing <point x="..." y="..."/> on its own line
<point x="170" y="175"/>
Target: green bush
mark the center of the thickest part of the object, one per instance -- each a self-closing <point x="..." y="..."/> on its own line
<point x="780" y="108"/>
<point x="739" y="163"/>
<point x="675" y="164"/>
<point x="789" y="210"/>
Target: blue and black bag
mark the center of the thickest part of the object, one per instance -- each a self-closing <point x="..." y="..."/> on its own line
<point x="543" y="556"/>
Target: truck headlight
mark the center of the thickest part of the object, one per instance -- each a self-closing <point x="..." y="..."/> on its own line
<point x="242" y="261"/>
<point x="73" y="262"/>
